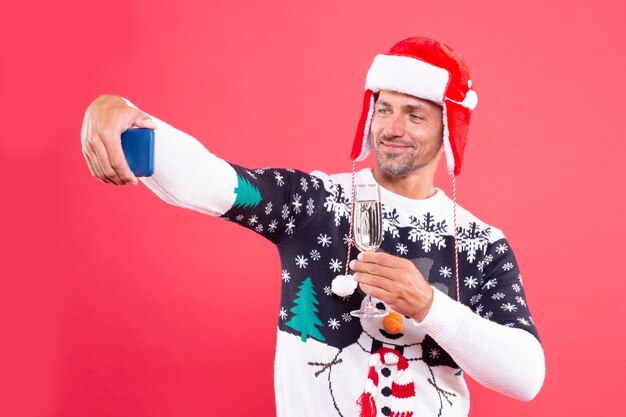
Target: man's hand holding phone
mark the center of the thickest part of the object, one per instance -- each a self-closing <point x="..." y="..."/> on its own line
<point x="106" y="118"/>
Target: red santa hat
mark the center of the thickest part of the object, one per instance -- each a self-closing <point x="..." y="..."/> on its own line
<point x="426" y="69"/>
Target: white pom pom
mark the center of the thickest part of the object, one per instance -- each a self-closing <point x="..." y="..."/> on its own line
<point x="471" y="100"/>
<point x="344" y="285"/>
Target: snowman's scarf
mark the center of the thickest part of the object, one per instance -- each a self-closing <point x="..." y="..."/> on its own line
<point x="402" y="388"/>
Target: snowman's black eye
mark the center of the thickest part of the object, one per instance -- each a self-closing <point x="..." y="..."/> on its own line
<point x="381" y="306"/>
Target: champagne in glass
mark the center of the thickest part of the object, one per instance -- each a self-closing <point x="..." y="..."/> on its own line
<point x="367" y="224"/>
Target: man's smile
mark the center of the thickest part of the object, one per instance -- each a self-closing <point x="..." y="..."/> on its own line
<point x="394" y="146"/>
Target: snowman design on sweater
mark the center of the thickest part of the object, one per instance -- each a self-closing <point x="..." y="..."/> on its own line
<point x="421" y="391"/>
<point x="416" y="390"/>
<point x="325" y="358"/>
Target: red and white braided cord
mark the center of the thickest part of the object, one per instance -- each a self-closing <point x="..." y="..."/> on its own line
<point x="456" y="245"/>
<point x="350" y="217"/>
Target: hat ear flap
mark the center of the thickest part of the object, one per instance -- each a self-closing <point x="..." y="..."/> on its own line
<point x="361" y="145"/>
<point x="457" y="125"/>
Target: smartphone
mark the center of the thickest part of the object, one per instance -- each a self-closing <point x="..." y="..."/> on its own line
<point x="138" y="146"/>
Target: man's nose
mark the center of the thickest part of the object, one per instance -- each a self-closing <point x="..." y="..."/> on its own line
<point x="394" y="127"/>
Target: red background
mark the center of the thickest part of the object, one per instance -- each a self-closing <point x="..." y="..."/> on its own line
<point x="113" y="303"/>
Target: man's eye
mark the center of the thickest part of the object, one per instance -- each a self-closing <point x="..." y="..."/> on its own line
<point x="416" y="117"/>
<point x="383" y="111"/>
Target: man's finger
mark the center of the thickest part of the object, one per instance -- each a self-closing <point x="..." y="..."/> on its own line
<point x="373" y="268"/>
<point x="95" y="162"/>
<point x="103" y="157"/>
<point x="89" y="163"/>
<point x="120" y="165"/>
<point x="383" y="259"/>
<point x="374" y="281"/>
<point x="84" y="135"/>
<point x="375" y="292"/>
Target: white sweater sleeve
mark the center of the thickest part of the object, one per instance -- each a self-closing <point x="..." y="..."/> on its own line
<point x="507" y="360"/>
<point x="186" y="174"/>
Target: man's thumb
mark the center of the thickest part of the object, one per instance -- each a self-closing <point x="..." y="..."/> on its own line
<point x="146" y="122"/>
<point x="140" y="119"/>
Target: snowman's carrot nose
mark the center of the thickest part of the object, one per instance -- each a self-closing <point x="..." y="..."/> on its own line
<point x="393" y="323"/>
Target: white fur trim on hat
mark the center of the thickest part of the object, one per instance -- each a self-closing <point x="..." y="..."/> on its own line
<point x="366" y="145"/>
<point x="447" y="147"/>
<point x="409" y="76"/>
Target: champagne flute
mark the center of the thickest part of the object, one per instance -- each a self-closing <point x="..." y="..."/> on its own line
<point x="367" y="227"/>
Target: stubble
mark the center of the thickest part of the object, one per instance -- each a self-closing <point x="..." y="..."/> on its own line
<point x="401" y="165"/>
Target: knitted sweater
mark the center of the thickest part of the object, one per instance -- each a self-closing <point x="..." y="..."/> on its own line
<point x="325" y="358"/>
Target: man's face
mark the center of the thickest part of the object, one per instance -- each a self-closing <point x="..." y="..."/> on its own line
<point x="406" y="133"/>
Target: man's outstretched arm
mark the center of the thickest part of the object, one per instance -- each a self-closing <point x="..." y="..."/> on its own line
<point x="270" y="202"/>
<point x="186" y="174"/>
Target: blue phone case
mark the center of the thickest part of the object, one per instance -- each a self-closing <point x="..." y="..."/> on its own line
<point x="138" y="146"/>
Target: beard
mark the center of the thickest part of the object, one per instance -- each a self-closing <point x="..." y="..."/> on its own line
<point x="396" y="165"/>
<point x="401" y="165"/>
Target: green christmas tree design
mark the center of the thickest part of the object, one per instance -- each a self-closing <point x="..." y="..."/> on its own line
<point x="247" y="194"/>
<point x="305" y="318"/>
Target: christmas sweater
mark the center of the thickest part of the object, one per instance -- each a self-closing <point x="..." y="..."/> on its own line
<point x="329" y="363"/>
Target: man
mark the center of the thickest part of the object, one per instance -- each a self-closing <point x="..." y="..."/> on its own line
<point x="449" y="281"/>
